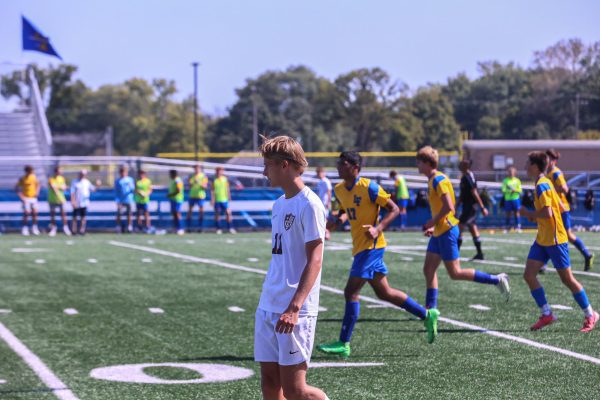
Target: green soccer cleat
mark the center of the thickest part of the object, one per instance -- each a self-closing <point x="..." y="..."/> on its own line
<point x="431" y="322"/>
<point x="589" y="262"/>
<point x="339" y="348"/>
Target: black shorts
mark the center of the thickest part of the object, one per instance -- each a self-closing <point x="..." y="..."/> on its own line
<point x="82" y="211"/>
<point x="468" y="216"/>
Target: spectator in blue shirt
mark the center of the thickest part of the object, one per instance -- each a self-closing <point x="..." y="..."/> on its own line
<point x="124" y="192"/>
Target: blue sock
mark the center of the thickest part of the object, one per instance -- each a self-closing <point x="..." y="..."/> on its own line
<point x="578" y="243"/>
<point x="350" y="318"/>
<point x="403" y="218"/>
<point x="431" y="298"/>
<point x="581" y="299"/>
<point x="483" y="277"/>
<point x="518" y="222"/>
<point x="217" y="224"/>
<point x="228" y="225"/>
<point x="540" y="297"/>
<point x="459" y="241"/>
<point x="414" y="308"/>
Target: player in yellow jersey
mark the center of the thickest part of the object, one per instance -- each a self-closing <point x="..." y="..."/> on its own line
<point x="557" y="178"/>
<point x="175" y="196"/>
<point x="143" y="190"/>
<point x="220" y="198"/>
<point x="361" y="200"/>
<point x="57" y="201"/>
<point x="551" y="243"/>
<point x="198" y="183"/>
<point x="400" y="196"/>
<point x="28" y="190"/>
<point x="443" y="231"/>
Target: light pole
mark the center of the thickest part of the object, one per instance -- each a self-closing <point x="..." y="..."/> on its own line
<point x="254" y="121"/>
<point x="195" y="65"/>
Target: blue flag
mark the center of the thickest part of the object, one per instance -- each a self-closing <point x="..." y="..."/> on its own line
<point x="34" y="40"/>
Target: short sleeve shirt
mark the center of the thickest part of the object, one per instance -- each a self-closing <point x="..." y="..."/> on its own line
<point x="439" y="185"/>
<point x="467" y="184"/>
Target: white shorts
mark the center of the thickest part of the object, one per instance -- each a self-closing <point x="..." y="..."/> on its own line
<point x="30" y="203"/>
<point x="284" y="349"/>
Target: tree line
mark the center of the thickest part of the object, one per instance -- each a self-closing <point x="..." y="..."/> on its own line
<point x="556" y="97"/>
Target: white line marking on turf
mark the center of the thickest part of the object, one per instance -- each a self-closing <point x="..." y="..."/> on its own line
<point x="2" y="381"/>
<point x="5" y="311"/>
<point x="235" y="309"/>
<point x="156" y="310"/>
<point x="378" y="306"/>
<point x="92" y="260"/>
<point x="40" y="261"/>
<point x="69" y="243"/>
<point x="57" y="386"/>
<point x="344" y="364"/>
<point x="28" y="242"/>
<point x="150" y="241"/>
<point x="70" y="311"/>
<point x="28" y="250"/>
<point x="146" y="260"/>
<point x="480" y="307"/>
<point x="523" y="242"/>
<point x="252" y="259"/>
<point x="189" y="241"/>
<point x="561" y="307"/>
<point x="368" y="299"/>
<point x="407" y="258"/>
<point x="231" y="241"/>
<point x="510" y="258"/>
<point x="322" y="309"/>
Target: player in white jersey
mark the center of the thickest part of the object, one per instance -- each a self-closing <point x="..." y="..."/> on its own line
<point x="286" y="316"/>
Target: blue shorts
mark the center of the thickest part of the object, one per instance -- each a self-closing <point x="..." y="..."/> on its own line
<point x="512" y="205"/>
<point x="367" y="263"/>
<point x="193" y="202"/>
<point x="445" y="245"/>
<point x="559" y="254"/>
<point x="141" y="207"/>
<point x="402" y="203"/>
<point x="221" y="206"/>
<point x="176" y="206"/>
<point x="566" y="218"/>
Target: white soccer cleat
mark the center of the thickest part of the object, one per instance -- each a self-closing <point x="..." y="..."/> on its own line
<point x="35" y="230"/>
<point x="503" y="285"/>
<point x="180" y="232"/>
<point x="66" y="230"/>
<point x="232" y="231"/>
<point x="52" y="231"/>
<point x="25" y="231"/>
<point x="219" y="231"/>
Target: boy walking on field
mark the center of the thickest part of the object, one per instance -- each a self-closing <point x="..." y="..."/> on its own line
<point x="286" y="316"/>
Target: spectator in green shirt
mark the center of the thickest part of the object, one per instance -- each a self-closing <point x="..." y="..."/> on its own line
<point x="511" y="189"/>
<point x="198" y="183"/>
<point x="220" y="197"/>
<point x="143" y="189"/>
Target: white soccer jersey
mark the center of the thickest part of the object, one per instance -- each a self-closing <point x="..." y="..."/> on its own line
<point x="295" y="222"/>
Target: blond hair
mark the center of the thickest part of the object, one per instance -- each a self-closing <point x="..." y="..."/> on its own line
<point x="429" y="155"/>
<point x="284" y="148"/>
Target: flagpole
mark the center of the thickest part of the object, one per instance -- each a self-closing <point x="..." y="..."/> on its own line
<point x="195" y="65"/>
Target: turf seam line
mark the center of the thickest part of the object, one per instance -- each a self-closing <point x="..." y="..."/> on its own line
<point x="58" y="388"/>
<point x="368" y="299"/>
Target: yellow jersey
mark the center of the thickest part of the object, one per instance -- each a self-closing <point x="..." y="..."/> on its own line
<point x="551" y="231"/>
<point x="28" y="185"/>
<point x="558" y="179"/>
<point x="362" y="203"/>
<point x="438" y="186"/>
<point x="58" y="196"/>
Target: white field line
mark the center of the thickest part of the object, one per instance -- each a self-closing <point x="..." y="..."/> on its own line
<point x="397" y="250"/>
<point x="523" y="242"/>
<point x="367" y="299"/>
<point x="70" y="311"/>
<point x="156" y="310"/>
<point x="236" y="309"/>
<point x="58" y="388"/>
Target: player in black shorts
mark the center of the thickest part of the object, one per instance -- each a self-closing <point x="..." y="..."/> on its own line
<point x="469" y="198"/>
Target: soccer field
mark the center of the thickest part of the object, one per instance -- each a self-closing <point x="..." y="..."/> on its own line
<point x="179" y="311"/>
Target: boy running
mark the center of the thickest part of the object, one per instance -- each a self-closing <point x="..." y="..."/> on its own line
<point x="286" y="316"/>
<point x="143" y="190"/>
<point x="198" y="183"/>
<point x="511" y="188"/>
<point x="443" y="232"/>
<point x="551" y="243"/>
<point x="469" y="197"/>
<point x="560" y="185"/>
<point x="28" y="190"/>
<point x="57" y="201"/>
<point x="360" y="200"/>
<point x="400" y="196"/>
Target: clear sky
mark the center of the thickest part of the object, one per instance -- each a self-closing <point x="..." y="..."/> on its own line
<point x="415" y="41"/>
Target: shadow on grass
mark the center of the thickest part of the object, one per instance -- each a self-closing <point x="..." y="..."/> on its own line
<point x="217" y="358"/>
<point x="369" y="320"/>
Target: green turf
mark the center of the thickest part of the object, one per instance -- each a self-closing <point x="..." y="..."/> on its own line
<point x="114" y="326"/>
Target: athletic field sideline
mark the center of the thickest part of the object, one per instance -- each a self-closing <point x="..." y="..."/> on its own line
<point x="166" y="317"/>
